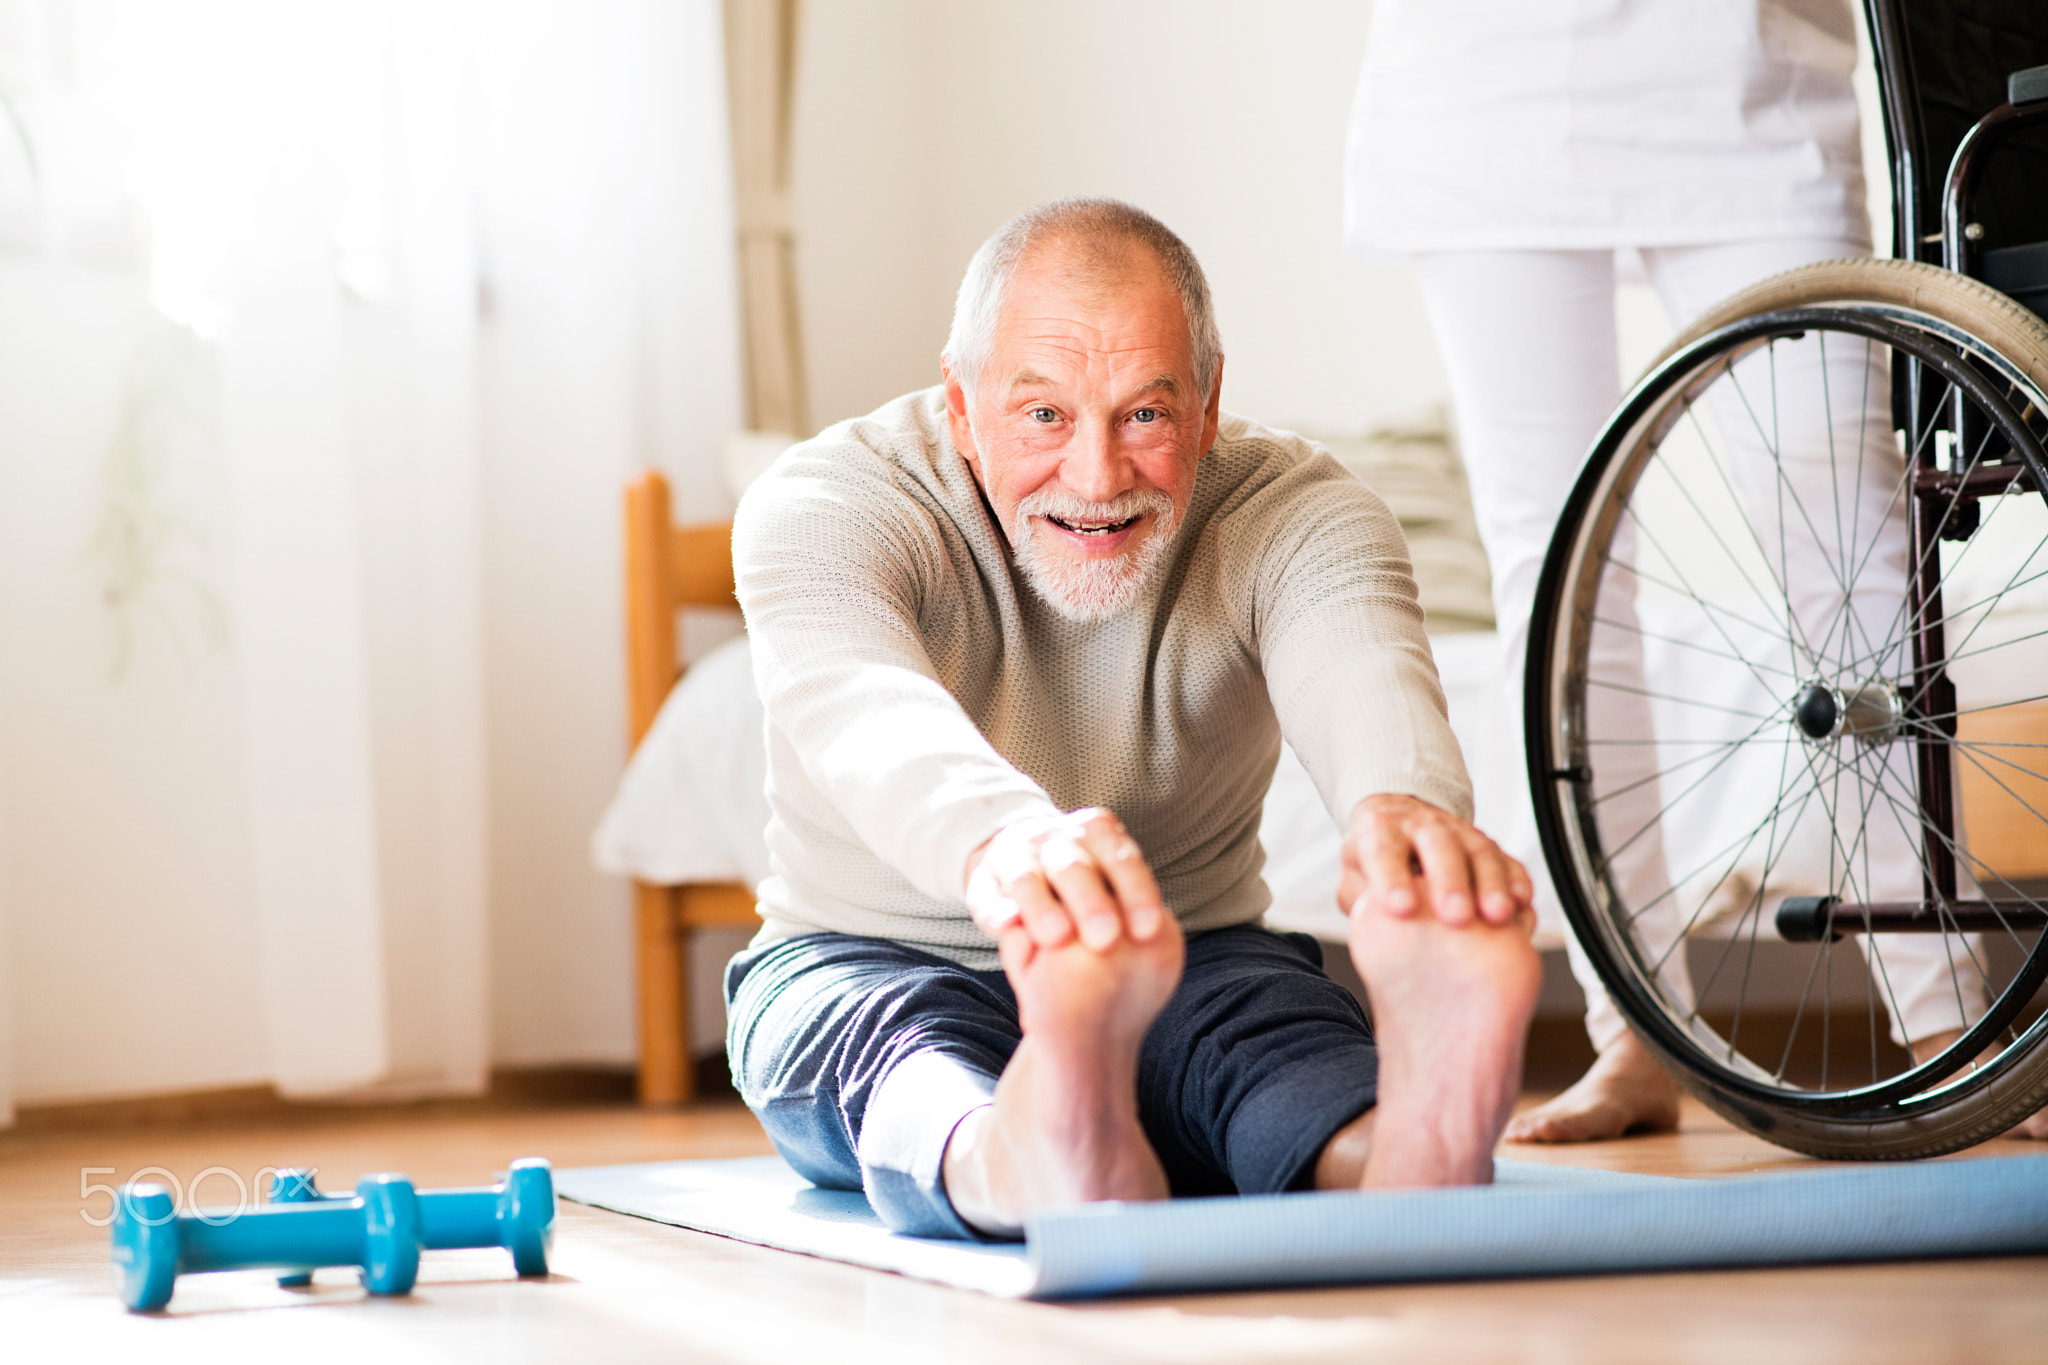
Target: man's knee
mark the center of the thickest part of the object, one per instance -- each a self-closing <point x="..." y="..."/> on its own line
<point x="860" y="1057"/>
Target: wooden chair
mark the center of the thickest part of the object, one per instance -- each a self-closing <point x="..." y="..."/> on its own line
<point x="670" y="567"/>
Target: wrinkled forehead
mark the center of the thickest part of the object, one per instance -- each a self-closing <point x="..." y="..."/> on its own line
<point x="1100" y="307"/>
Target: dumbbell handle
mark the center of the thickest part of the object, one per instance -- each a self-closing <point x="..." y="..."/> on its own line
<point x="448" y="1218"/>
<point x="460" y="1218"/>
<point x="280" y="1235"/>
<point x="517" y="1215"/>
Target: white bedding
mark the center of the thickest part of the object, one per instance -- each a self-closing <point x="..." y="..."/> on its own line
<point x="691" y="806"/>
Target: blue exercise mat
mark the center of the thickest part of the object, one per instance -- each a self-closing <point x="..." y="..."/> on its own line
<point x="1536" y="1220"/>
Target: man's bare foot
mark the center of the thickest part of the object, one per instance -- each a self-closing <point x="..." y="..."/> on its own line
<point x="1064" y="1127"/>
<point x="2034" y="1126"/>
<point x="1624" y="1091"/>
<point x="1451" y="1006"/>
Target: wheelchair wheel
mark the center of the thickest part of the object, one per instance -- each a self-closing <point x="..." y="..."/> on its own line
<point x="1787" y="709"/>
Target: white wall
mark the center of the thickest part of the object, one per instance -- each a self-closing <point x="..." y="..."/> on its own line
<point x="921" y="125"/>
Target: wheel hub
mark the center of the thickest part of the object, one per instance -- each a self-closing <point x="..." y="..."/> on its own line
<point x="1872" y="711"/>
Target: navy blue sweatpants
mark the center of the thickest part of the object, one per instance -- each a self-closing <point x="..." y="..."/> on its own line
<point x="862" y="1055"/>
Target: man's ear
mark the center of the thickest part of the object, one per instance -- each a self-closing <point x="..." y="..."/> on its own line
<point x="956" y="420"/>
<point x="1212" y="416"/>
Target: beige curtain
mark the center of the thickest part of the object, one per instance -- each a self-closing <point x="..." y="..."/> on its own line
<point x="760" y="54"/>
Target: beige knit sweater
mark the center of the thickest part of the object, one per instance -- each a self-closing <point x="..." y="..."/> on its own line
<point x="920" y="695"/>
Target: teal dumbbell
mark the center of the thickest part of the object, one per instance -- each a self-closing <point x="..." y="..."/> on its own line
<point x="518" y="1214"/>
<point x="381" y="1228"/>
<point x="378" y="1229"/>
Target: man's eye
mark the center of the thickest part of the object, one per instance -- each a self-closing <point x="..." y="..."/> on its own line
<point x="1044" y="415"/>
<point x="1145" y="415"/>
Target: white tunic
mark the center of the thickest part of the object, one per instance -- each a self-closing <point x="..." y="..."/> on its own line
<point x="1567" y="124"/>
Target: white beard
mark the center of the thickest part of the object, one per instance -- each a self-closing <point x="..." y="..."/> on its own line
<point x="1089" y="590"/>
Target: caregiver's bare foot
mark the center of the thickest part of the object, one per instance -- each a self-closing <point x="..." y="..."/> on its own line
<point x="1064" y="1127"/>
<point x="2034" y="1126"/>
<point x="1624" y="1091"/>
<point x="1451" y="1007"/>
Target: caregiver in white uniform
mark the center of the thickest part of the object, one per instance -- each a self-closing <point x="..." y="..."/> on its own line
<point x="1514" y="151"/>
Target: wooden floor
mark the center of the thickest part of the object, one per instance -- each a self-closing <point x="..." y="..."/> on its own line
<point x="626" y="1290"/>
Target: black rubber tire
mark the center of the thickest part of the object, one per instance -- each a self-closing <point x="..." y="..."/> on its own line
<point x="2016" y="1086"/>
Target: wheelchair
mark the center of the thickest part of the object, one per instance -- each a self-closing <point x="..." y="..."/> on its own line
<point x="1786" y="697"/>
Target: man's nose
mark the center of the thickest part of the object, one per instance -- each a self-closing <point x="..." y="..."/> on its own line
<point x="1094" y="469"/>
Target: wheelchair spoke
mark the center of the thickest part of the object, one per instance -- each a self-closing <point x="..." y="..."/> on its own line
<point x="1986" y="649"/>
<point x="1985" y="603"/>
<point x="1979" y="764"/>
<point x="1901" y="814"/>
<point x="1677" y="643"/>
<point x="1657" y="818"/>
<point x="1920" y="693"/>
<point x="1681" y="701"/>
<point x="1979" y="624"/>
<point x="1712" y="608"/>
<point x="1881" y="975"/>
<point x="1784" y="596"/>
<point x="1979" y="710"/>
<point x="1928" y="560"/>
<point x="1740" y="847"/>
<point x="1722" y="630"/>
<point x="1894" y="632"/>
<point x="1981" y="967"/>
<point x="1721" y="747"/>
<point x="1752" y="912"/>
<point x="1785" y="486"/>
<point x="1769" y="601"/>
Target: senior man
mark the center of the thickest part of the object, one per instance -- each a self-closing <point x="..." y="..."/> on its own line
<point x="1028" y="643"/>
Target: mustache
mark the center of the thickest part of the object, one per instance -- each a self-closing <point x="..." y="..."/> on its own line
<point x="1057" y="502"/>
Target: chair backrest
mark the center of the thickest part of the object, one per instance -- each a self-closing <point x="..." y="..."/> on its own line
<point x="668" y="567"/>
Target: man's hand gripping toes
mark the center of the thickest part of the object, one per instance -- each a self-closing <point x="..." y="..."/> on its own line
<point x="1063" y="877"/>
<point x="1093" y="955"/>
<point x="1407" y="855"/>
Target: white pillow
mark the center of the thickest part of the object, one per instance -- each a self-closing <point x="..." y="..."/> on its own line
<point x="692" y="806"/>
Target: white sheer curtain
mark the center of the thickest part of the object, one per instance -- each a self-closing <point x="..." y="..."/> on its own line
<point x="391" y="296"/>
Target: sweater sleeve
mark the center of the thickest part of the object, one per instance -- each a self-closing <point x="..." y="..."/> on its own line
<point x="1339" y="633"/>
<point x="833" y="563"/>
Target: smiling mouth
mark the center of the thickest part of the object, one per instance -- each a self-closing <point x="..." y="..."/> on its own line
<point x="1094" y="528"/>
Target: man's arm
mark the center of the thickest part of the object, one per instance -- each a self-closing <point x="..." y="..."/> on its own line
<point x="1349" y="669"/>
<point x="832" y="564"/>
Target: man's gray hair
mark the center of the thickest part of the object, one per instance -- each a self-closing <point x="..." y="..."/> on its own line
<point x="1097" y="225"/>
